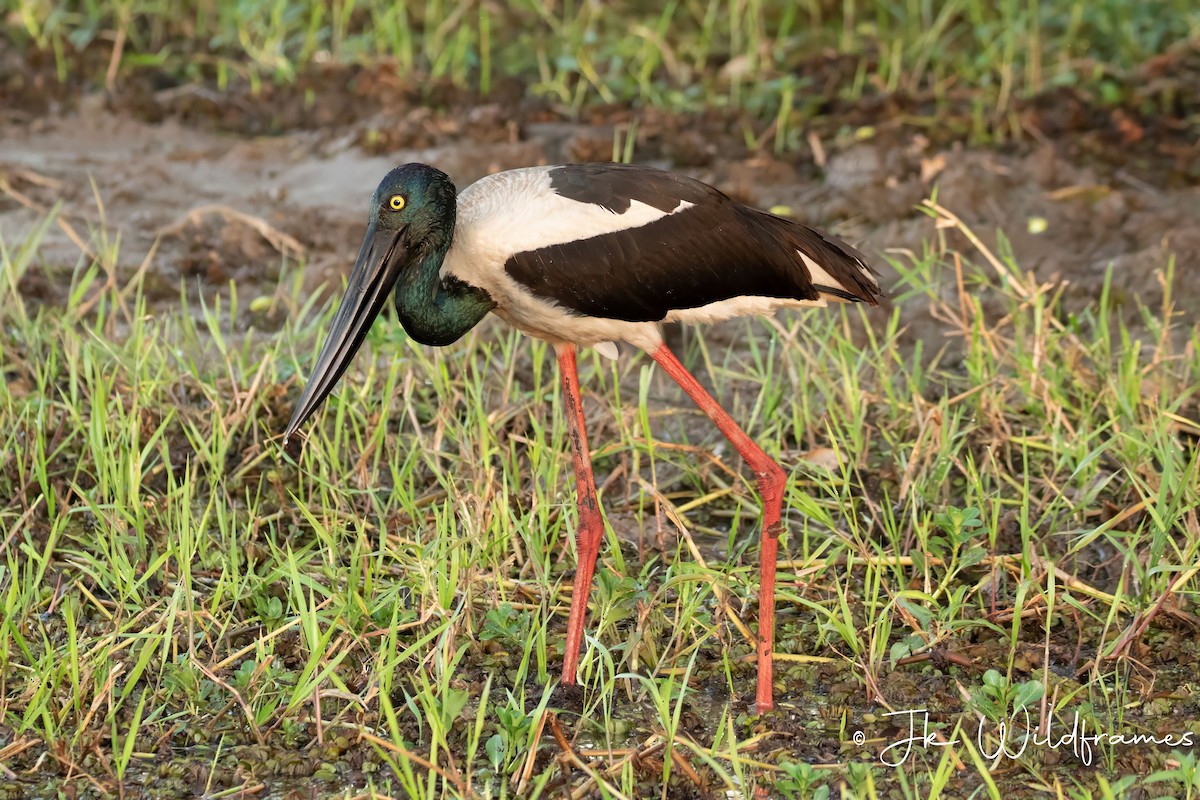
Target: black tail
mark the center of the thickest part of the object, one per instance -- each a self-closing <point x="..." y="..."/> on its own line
<point x="848" y="277"/>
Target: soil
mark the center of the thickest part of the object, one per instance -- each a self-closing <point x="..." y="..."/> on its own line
<point x="1087" y="190"/>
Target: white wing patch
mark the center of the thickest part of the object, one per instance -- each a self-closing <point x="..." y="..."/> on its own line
<point x="817" y="272"/>
<point x="740" y="307"/>
<point x="518" y="211"/>
<point x="606" y="349"/>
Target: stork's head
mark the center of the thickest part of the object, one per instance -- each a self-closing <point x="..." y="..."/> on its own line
<point x="416" y="199"/>
<point x="411" y="214"/>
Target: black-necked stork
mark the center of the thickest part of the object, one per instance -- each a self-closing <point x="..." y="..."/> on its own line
<point x="585" y="255"/>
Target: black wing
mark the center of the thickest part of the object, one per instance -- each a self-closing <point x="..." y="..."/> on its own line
<point x="715" y="250"/>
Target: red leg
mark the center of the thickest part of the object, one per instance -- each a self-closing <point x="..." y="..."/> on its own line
<point x="771" y="482"/>
<point x="591" y="525"/>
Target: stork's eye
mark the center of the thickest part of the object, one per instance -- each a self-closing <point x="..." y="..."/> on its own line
<point x="397" y="202"/>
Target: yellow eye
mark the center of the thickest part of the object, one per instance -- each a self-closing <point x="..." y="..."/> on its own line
<point x="397" y="202"/>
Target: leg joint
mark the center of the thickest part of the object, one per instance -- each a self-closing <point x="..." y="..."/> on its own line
<point x="771" y="474"/>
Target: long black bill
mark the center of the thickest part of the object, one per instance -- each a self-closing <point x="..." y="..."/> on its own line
<point x="379" y="262"/>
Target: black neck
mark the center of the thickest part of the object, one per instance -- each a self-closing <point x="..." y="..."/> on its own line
<point x="436" y="310"/>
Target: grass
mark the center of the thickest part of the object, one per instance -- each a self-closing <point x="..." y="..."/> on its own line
<point x="1003" y="528"/>
<point x="775" y="60"/>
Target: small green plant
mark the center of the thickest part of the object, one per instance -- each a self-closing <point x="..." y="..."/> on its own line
<point x="1185" y="776"/>
<point x="269" y="609"/>
<point x="505" y="625"/>
<point x="506" y="744"/>
<point x="801" y="780"/>
<point x="998" y="699"/>
<point x="961" y="527"/>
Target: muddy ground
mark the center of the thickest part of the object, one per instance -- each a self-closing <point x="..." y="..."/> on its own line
<point x="1085" y="190"/>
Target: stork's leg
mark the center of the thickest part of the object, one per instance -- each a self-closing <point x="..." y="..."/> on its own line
<point x="771" y="483"/>
<point x="591" y="525"/>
